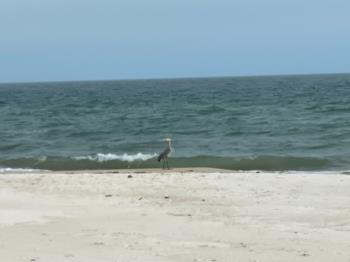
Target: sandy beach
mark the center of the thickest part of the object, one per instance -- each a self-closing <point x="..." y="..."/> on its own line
<point x="175" y="215"/>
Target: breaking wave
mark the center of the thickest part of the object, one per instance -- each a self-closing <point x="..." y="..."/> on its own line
<point x="124" y="157"/>
<point x="16" y="170"/>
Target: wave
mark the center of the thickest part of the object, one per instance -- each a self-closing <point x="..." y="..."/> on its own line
<point x="15" y="170"/>
<point x="141" y="160"/>
<point x="124" y="157"/>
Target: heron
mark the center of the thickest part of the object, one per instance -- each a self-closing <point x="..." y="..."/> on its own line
<point x="165" y="153"/>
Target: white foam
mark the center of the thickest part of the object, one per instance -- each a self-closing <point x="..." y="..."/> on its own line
<point x="14" y="170"/>
<point x="124" y="157"/>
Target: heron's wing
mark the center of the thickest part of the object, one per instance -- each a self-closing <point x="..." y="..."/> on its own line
<point x="164" y="154"/>
<point x="161" y="155"/>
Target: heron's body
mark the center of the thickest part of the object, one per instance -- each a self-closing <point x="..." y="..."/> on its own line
<point x="165" y="153"/>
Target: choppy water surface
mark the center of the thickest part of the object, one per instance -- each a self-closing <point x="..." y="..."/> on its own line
<point x="269" y="123"/>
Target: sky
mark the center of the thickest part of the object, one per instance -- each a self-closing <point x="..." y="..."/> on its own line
<point x="63" y="40"/>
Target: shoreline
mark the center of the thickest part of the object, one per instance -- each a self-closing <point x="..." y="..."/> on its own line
<point x="199" y="169"/>
<point x="191" y="214"/>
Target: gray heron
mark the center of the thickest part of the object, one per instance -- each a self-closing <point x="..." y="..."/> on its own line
<point x="165" y="153"/>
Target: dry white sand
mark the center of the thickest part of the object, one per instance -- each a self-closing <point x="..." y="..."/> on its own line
<point x="177" y="215"/>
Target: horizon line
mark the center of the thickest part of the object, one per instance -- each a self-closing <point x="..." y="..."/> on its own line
<point x="171" y="78"/>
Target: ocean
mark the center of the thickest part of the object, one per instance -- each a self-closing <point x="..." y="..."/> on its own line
<point x="299" y="122"/>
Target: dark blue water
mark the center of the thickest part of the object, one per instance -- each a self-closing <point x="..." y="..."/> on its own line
<point x="269" y="123"/>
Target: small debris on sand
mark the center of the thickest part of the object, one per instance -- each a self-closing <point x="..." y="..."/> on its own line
<point x="243" y="245"/>
<point x="129" y="176"/>
<point x="98" y="244"/>
<point x="305" y="254"/>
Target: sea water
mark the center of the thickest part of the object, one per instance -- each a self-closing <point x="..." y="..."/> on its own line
<point x="241" y="123"/>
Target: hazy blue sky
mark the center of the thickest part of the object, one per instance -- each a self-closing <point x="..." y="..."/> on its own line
<point x="44" y="40"/>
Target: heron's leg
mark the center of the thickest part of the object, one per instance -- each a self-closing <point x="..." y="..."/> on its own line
<point x="167" y="163"/>
<point x="163" y="162"/>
